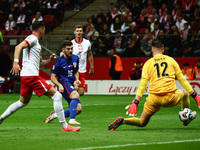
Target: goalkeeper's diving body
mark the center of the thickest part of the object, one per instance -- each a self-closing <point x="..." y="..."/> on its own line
<point x="161" y="71"/>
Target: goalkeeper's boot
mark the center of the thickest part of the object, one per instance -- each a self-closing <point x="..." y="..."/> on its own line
<point x="71" y="128"/>
<point x="51" y="117"/>
<point x="73" y="121"/>
<point x="193" y="116"/>
<point x="114" y="125"/>
<point x="1" y="120"/>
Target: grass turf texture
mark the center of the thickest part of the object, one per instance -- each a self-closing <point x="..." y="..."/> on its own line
<point x="26" y="129"/>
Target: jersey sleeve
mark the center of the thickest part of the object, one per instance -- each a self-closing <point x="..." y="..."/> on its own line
<point x="56" y="66"/>
<point x="142" y="87"/>
<point x="31" y="40"/>
<point x="89" y="46"/>
<point x="186" y="85"/>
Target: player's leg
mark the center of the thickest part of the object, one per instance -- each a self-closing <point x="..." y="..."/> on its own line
<point x="150" y="108"/>
<point x="81" y="89"/>
<point x="139" y="122"/>
<point x="72" y="97"/>
<point x="185" y="103"/>
<point x="58" y="108"/>
<point x="134" y="121"/>
<point x="53" y="115"/>
<point x="23" y="101"/>
<point x="25" y="96"/>
<point x="57" y="102"/>
<point x="74" y="104"/>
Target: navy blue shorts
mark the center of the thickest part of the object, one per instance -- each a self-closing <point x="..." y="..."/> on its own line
<point x="68" y="89"/>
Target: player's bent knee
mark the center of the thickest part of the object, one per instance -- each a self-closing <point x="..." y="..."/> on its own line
<point x="81" y="93"/>
<point x="74" y="94"/>
<point x="185" y="93"/>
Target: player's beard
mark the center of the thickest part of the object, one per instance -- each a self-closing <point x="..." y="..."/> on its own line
<point x="68" y="56"/>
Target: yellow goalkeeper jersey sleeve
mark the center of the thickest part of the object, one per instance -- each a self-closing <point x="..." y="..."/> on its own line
<point x="161" y="71"/>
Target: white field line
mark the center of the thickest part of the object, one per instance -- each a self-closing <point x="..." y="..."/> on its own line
<point x="137" y="144"/>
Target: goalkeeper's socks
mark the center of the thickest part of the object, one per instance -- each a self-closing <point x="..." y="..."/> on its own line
<point x="67" y="113"/>
<point x="133" y="121"/>
<point x="73" y="107"/>
<point x="185" y="102"/>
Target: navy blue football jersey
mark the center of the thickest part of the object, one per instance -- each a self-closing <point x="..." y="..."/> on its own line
<point x="65" y="68"/>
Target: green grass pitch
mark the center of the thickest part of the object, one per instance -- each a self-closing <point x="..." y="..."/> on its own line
<point x="26" y="130"/>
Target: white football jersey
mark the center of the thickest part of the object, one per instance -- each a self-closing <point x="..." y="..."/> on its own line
<point x="31" y="57"/>
<point x="81" y="50"/>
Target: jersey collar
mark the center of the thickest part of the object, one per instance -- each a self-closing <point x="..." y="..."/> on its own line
<point x="77" y="41"/>
<point x="34" y="35"/>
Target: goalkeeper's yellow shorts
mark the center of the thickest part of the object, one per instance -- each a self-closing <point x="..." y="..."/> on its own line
<point x="155" y="102"/>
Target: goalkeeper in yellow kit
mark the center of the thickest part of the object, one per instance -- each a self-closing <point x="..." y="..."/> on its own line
<point x="161" y="71"/>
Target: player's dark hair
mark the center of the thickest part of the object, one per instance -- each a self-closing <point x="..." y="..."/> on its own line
<point x="37" y="24"/>
<point x="157" y="44"/>
<point x="66" y="43"/>
<point x="198" y="60"/>
<point x="78" y="26"/>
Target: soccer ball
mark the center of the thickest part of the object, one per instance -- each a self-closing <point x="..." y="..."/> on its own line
<point x="185" y="114"/>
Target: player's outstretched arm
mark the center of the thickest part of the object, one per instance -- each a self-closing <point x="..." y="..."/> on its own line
<point x="186" y="85"/>
<point x="132" y="109"/>
<point x="91" y="61"/>
<point x="18" y="49"/>
<point x="55" y="81"/>
<point x="196" y="97"/>
<point x="52" y="58"/>
<point x="77" y="83"/>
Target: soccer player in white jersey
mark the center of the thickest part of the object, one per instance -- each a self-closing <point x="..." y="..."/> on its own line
<point x="82" y="48"/>
<point x="30" y="79"/>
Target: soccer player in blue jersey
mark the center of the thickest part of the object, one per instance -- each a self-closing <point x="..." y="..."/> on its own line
<point x="65" y="76"/>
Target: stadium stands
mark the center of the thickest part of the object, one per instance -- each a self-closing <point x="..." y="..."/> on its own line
<point x="26" y="32"/>
<point x="49" y="21"/>
<point x="13" y="32"/>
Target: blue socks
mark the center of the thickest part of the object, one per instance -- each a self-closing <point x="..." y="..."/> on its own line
<point x="71" y="112"/>
<point x="67" y="113"/>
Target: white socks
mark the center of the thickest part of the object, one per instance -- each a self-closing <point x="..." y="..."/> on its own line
<point x="12" y="108"/>
<point x="58" y="108"/>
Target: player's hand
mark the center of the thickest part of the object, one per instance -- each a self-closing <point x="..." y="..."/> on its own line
<point x="91" y="71"/>
<point x="132" y="109"/>
<point x="15" y="69"/>
<point x="53" y="57"/>
<point x="196" y="97"/>
<point x="61" y="89"/>
<point x="77" y="84"/>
